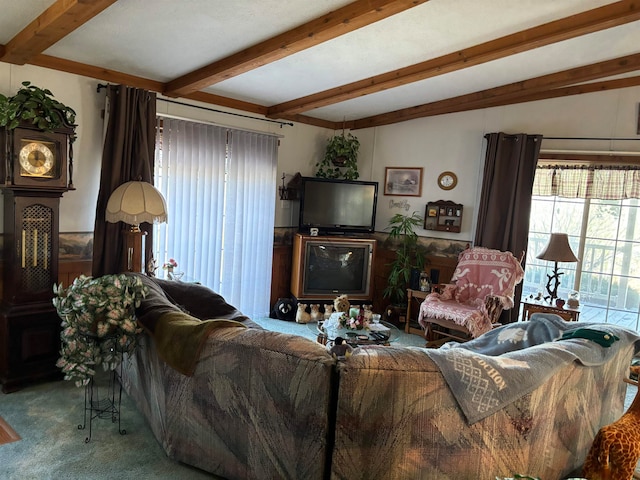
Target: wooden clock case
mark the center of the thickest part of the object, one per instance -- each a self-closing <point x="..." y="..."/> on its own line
<point x="29" y="323"/>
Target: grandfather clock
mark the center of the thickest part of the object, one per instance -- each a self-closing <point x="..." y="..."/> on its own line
<point x="34" y="173"/>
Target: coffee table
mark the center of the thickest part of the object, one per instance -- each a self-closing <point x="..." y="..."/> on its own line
<point x="389" y="333"/>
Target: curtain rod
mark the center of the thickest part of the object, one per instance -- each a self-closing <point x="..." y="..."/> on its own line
<point x="593" y="138"/>
<point x="610" y="153"/>
<point x="101" y="86"/>
<point x="217" y="124"/>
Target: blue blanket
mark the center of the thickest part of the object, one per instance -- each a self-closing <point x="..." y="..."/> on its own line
<point x="500" y="366"/>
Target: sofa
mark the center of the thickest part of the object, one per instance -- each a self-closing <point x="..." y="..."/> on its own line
<point x="257" y="404"/>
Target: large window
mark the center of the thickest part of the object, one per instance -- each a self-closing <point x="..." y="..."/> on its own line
<point x="605" y="236"/>
<point x="220" y="187"/>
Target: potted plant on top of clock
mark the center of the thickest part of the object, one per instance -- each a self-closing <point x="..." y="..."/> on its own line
<point x="39" y="129"/>
<point x="37" y="106"/>
<point x="410" y="255"/>
<point x="340" y="158"/>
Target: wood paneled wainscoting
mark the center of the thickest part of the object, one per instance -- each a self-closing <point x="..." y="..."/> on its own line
<point x="281" y="273"/>
<point x="68" y="271"/>
<point x="439" y="268"/>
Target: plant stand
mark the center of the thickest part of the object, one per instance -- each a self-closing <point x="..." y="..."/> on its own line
<point x="103" y="402"/>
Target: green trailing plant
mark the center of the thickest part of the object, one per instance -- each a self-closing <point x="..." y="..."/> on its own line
<point x="98" y="323"/>
<point x="37" y="106"/>
<point x="340" y="158"/>
<point x="409" y="255"/>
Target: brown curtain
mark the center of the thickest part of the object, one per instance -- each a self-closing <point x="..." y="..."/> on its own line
<point x="505" y="200"/>
<point x="128" y="154"/>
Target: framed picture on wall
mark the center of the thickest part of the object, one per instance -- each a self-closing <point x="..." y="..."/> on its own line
<point x="403" y="181"/>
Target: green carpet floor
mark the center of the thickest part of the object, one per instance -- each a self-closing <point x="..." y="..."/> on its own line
<point x="47" y="416"/>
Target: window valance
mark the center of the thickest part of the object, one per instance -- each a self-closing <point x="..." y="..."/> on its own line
<point x="605" y="182"/>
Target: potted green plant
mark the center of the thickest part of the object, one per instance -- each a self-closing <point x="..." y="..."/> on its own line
<point x="98" y="323"/>
<point x="409" y="255"/>
<point x="340" y="158"/>
<point x="37" y="106"/>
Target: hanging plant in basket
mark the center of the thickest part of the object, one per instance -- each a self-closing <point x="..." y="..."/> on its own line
<point x="340" y="158"/>
<point x="98" y="323"/>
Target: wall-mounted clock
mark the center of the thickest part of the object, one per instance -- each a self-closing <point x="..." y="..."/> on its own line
<point x="447" y="180"/>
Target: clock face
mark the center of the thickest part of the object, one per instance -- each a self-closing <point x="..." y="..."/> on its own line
<point x="37" y="159"/>
<point x="447" y="180"/>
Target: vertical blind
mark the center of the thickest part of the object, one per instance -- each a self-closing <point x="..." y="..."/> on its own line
<point x="219" y="185"/>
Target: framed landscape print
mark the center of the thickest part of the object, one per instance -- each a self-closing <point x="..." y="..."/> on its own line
<point x="403" y="181"/>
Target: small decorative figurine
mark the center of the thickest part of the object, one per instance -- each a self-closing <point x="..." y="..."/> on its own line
<point x="316" y="315"/>
<point x="340" y="348"/>
<point x="341" y="304"/>
<point x="302" y="316"/>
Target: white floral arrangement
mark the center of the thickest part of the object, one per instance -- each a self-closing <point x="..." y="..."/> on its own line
<point x="98" y="323"/>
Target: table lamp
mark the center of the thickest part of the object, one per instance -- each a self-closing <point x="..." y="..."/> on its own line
<point x="557" y="250"/>
<point x="133" y="203"/>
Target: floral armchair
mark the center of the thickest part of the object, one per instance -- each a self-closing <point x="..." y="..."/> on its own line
<point x="482" y="287"/>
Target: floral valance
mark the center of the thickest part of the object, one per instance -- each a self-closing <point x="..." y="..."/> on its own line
<point x="605" y="182"/>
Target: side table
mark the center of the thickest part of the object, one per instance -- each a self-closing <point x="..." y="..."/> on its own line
<point x="529" y="307"/>
<point x="411" y="295"/>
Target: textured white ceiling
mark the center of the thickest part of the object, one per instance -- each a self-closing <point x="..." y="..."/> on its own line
<point x="163" y="39"/>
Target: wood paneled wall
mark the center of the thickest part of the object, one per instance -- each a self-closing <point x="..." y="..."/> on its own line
<point x="281" y="273"/>
<point x="69" y="271"/>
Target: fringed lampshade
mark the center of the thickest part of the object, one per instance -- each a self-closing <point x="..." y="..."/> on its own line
<point x="134" y="203"/>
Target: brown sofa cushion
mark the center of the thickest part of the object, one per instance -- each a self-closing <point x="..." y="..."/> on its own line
<point x="198" y="301"/>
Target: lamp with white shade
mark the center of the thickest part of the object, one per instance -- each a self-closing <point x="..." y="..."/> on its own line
<point x="557" y="250"/>
<point x="133" y="203"/>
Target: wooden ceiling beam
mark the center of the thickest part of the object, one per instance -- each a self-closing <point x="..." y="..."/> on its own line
<point x="591" y="21"/>
<point x="344" y="20"/>
<point x="546" y="86"/>
<point x="56" y="22"/>
<point x="505" y="94"/>
<point x="111" y="76"/>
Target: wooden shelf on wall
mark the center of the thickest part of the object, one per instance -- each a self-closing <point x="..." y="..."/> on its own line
<point x="443" y="216"/>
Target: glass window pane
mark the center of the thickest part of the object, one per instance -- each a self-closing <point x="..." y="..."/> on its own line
<point x="598" y="256"/>
<point x="625" y="293"/>
<point x="627" y="261"/>
<point x="623" y="319"/>
<point x="541" y="214"/>
<point x="603" y="219"/>
<point x="568" y="215"/>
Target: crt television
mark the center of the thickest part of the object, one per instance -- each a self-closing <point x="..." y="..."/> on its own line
<point x="324" y="267"/>
<point x="337" y="206"/>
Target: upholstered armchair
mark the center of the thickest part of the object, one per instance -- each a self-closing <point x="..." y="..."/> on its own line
<point x="482" y="287"/>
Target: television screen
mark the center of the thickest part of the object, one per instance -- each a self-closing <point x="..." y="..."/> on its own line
<point x="335" y="269"/>
<point x="337" y="206"/>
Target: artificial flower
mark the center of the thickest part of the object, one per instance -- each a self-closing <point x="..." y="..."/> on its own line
<point x="170" y="264"/>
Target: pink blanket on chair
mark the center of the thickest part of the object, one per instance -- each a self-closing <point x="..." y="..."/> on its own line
<point x="480" y="272"/>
